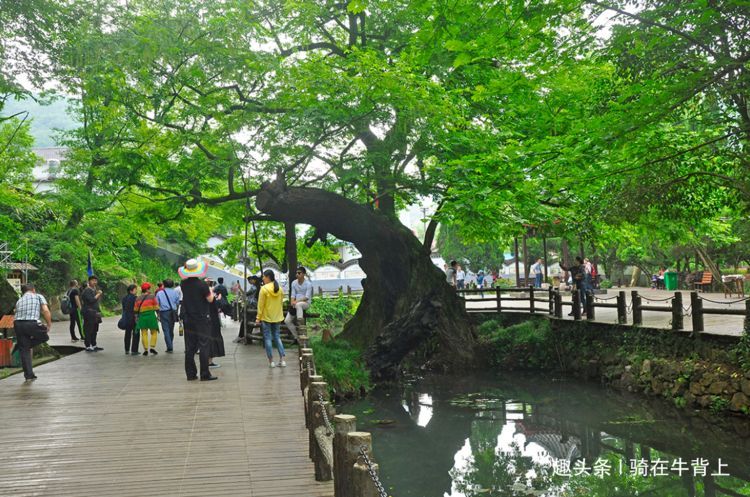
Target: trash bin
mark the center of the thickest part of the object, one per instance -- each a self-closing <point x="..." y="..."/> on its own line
<point x="670" y="280"/>
<point x="6" y="345"/>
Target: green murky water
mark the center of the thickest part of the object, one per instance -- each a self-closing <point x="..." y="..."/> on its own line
<point x="521" y="435"/>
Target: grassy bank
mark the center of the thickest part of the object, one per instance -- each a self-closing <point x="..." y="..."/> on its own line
<point x="342" y="367"/>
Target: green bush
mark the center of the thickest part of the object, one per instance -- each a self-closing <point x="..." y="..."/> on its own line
<point x="334" y="312"/>
<point x="341" y="365"/>
<point x="523" y="345"/>
<point x="605" y="285"/>
<point x="503" y="283"/>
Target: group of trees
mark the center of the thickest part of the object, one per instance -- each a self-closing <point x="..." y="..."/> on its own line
<point x="338" y="113"/>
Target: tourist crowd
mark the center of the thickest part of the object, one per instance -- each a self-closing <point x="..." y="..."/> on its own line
<point x="195" y="306"/>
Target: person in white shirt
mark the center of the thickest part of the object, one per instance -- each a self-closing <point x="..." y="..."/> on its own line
<point x="299" y="298"/>
<point x="538" y="273"/>
<point x="460" y="277"/>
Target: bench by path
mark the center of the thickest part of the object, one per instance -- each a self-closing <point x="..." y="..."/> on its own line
<point x="107" y="424"/>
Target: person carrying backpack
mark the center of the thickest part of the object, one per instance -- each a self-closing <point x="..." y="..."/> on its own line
<point x="70" y="304"/>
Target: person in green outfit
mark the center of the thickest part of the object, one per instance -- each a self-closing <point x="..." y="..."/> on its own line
<point x="146" y="308"/>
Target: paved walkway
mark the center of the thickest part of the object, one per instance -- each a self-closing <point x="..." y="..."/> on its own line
<point x="107" y="424"/>
<point x="713" y="323"/>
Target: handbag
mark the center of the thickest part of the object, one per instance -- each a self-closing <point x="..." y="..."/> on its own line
<point x="39" y="334"/>
<point x="122" y="323"/>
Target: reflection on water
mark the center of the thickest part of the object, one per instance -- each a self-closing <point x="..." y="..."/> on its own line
<point x="520" y="435"/>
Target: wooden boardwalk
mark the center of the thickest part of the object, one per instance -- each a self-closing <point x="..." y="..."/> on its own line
<point x="106" y="424"/>
<point x="713" y="324"/>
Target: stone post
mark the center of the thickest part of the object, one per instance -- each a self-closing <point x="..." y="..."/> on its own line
<point x="355" y="440"/>
<point x="677" y="320"/>
<point x="343" y="424"/>
<point x="532" y="308"/>
<point x="322" y="453"/>
<point x="590" y="307"/>
<point x="576" y="305"/>
<point x="697" y="304"/>
<point x="317" y="386"/>
<point x="622" y="308"/>
<point x="362" y="484"/>
<point x="637" y="311"/>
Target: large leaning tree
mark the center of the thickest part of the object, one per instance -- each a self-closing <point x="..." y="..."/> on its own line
<point x="327" y="113"/>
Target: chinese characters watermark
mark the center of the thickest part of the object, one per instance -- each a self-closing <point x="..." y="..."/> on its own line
<point x="640" y="467"/>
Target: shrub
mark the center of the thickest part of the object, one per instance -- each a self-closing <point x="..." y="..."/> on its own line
<point x="341" y="365"/>
<point x="523" y="345"/>
<point x="605" y="284"/>
<point x="335" y="311"/>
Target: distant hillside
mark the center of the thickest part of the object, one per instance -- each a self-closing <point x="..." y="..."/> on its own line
<point x="46" y="119"/>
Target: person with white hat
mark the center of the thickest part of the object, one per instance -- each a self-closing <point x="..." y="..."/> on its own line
<point x="196" y="297"/>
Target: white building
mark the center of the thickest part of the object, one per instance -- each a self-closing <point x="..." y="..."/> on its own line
<point x="48" y="167"/>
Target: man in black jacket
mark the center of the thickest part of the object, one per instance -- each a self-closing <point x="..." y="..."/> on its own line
<point x="92" y="314"/>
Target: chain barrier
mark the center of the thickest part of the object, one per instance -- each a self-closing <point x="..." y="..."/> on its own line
<point x="727" y="303"/>
<point x="629" y="308"/>
<point x="688" y="310"/>
<point x="656" y="300"/>
<point x="371" y="471"/>
<point x="325" y="414"/>
<point x="604" y="300"/>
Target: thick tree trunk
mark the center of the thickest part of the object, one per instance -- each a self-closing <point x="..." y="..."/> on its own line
<point x="408" y="311"/>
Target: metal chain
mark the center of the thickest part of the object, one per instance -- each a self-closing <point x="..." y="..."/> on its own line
<point x="325" y="414"/>
<point x="688" y="310"/>
<point x="728" y="303"/>
<point x="371" y="471"/>
<point x="656" y="300"/>
<point x="603" y="300"/>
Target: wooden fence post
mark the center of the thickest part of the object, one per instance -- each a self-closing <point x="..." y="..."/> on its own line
<point x="551" y="300"/>
<point x="323" y="454"/>
<point x="677" y="321"/>
<point x="316" y="387"/>
<point x="622" y="308"/>
<point x="590" y="307"/>
<point x="305" y="367"/>
<point x="499" y="300"/>
<point x="576" y="305"/>
<point x="355" y="440"/>
<point x="343" y="424"/>
<point x="747" y="317"/>
<point x="637" y="311"/>
<point x="306" y="393"/>
<point x="558" y="304"/>
<point x="362" y="484"/>
<point x="697" y="304"/>
<point x="531" y="299"/>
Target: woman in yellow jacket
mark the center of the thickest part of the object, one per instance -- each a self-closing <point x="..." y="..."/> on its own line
<point x="270" y="316"/>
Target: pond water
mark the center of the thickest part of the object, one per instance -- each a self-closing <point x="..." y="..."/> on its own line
<point x="516" y="435"/>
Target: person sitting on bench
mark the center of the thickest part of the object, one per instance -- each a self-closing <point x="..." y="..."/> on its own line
<point x="300" y="298"/>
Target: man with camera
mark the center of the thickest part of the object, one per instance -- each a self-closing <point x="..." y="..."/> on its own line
<point x="28" y="327"/>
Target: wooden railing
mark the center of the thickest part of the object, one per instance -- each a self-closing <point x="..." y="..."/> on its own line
<point x="338" y="451"/>
<point x="555" y="305"/>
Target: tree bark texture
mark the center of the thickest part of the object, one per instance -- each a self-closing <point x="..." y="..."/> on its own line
<point x="408" y="310"/>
